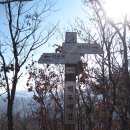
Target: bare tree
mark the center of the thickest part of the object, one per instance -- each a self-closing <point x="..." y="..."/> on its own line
<point x="25" y="32"/>
<point x="109" y="76"/>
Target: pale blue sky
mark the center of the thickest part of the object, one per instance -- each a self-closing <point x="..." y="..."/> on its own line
<point x="69" y="9"/>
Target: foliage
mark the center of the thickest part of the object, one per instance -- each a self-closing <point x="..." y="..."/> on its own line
<point x="47" y="86"/>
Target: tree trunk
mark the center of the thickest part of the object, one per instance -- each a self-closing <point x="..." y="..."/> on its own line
<point x="10" y="114"/>
<point x="11" y="97"/>
<point x="110" y="122"/>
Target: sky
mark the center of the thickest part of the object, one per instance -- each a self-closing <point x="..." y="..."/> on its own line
<point x="68" y="10"/>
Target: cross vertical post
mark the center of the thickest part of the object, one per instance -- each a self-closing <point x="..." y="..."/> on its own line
<point x="69" y="97"/>
<point x="70" y="87"/>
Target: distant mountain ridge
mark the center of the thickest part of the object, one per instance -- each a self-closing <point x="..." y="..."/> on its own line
<point x="22" y="103"/>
